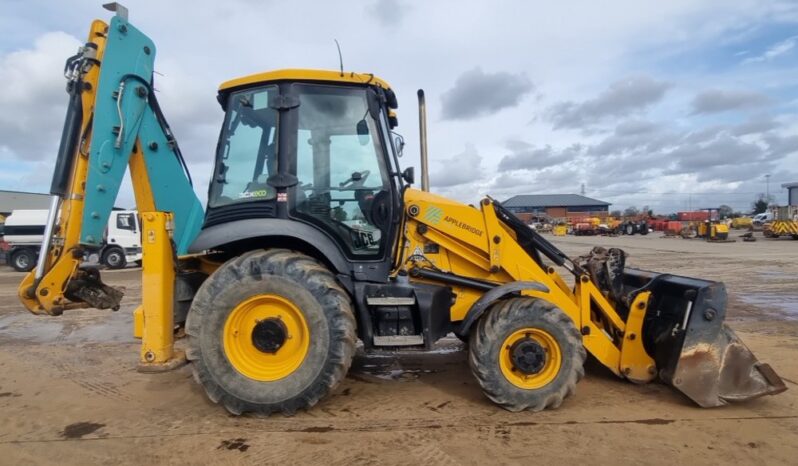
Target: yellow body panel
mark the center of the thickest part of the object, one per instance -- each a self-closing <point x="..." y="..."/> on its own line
<point x="742" y="222"/>
<point x="636" y="364"/>
<point x="294" y="74"/>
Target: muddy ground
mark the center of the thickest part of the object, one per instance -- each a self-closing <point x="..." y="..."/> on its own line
<point x="69" y="392"/>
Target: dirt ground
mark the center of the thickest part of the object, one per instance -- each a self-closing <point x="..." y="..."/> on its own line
<point x="69" y="392"/>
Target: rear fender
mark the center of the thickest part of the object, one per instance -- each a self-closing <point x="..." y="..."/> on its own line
<point x="223" y="234"/>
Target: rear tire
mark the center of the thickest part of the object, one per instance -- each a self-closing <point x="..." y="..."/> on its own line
<point x="23" y="260"/>
<point x="534" y="320"/>
<point x="312" y="291"/>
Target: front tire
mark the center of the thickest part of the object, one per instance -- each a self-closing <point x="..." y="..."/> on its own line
<point x="270" y="331"/>
<point x="527" y="354"/>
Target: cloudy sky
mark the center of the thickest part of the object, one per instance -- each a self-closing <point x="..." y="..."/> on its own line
<point x="677" y="104"/>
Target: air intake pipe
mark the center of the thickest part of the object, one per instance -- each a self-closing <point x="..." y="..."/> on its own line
<point x="422" y="136"/>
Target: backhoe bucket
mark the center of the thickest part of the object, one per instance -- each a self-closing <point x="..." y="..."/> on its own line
<point x="694" y="350"/>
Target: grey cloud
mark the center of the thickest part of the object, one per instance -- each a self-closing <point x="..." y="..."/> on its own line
<point x="635" y="127"/>
<point x="387" y="12"/>
<point x="476" y="93"/>
<point x="704" y="134"/>
<point x="526" y="157"/>
<point x="719" y="100"/>
<point x="613" y="169"/>
<point x="620" y="98"/>
<point x="633" y="136"/>
<point x="753" y="126"/>
<point x="33" y="98"/>
<point x="462" y="168"/>
<point x="780" y="146"/>
<point x="735" y="173"/>
<point x="639" y="150"/>
<point x="723" y="150"/>
<point x="563" y="178"/>
<point x="729" y="158"/>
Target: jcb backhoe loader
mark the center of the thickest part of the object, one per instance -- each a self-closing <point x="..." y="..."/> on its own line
<point x="313" y="239"/>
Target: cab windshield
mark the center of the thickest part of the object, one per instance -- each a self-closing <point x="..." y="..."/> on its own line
<point x="247" y="150"/>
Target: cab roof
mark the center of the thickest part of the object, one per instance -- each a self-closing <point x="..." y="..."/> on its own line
<point x="295" y="74"/>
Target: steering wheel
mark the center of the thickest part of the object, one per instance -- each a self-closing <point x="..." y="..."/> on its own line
<point x="356" y="181"/>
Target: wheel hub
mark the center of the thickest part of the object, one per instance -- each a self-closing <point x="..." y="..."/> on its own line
<point x="269" y="335"/>
<point x="266" y="337"/>
<point x="528" y="356"/>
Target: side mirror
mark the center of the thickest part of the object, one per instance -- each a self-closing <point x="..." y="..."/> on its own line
<point x="362" y="132"/>
<point x="409" y="175"/>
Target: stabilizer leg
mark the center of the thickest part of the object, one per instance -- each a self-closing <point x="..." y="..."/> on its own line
<point x="154" y="319"/>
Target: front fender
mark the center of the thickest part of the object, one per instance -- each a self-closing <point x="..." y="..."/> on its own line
<point x="482" y="304"/>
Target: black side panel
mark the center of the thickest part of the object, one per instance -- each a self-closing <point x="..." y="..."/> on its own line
<point x="429" y="316"/>
<point x="434" y="303"/>
<point x="365" y="324"/>
<point x="186" y="286"/>
<point x="238" y="230"/>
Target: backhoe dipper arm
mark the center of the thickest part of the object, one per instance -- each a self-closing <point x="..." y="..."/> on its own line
<point x="113" y="121"/>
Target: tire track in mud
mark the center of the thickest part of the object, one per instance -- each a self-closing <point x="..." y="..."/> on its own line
<point x="409" y="427"/>
<point x="72" y="369"/>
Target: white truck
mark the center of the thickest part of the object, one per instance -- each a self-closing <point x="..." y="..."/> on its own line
<point x="763" y="218"/>
<point x="24" y="230"/>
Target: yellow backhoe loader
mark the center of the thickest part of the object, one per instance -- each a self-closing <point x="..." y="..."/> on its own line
<point x="313" y="239"/>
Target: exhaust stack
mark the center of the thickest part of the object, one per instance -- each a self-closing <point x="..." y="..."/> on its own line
<point x="422" y="136"/>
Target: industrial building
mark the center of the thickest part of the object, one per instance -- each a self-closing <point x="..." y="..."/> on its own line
<point x="527" y="206"/>
<point x="14" y="200"/>
<point x="792" y="193"/>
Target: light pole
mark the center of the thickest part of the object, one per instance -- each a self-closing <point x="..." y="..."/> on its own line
<point x="767" y="187"/>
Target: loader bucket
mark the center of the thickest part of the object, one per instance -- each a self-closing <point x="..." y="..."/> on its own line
<point x="694" y="350"/>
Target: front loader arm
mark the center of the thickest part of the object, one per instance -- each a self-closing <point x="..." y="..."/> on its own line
<point x="113" y="121"/>
<point x="649" y="325"/>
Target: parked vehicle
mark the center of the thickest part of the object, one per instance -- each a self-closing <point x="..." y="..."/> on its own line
<point x="24" y="231"/>
<point x="763" y="218"/>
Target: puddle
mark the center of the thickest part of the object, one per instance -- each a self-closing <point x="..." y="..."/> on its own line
<point x="393" y="371"/>
<point x="405" y="365"/>
<point x="70" y="329"/>
<point x="781" y="305"/>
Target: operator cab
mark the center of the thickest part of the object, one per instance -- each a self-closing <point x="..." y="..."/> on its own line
<point x="313" y="147"/>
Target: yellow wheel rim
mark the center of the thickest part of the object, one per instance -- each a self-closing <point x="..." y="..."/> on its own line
<point x="240" y="347"/>
<point x="544" y="374"/>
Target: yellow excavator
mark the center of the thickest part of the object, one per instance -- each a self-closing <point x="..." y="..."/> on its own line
<point x="313" y="239"/>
